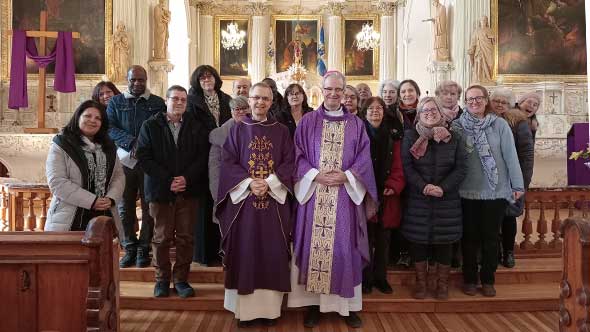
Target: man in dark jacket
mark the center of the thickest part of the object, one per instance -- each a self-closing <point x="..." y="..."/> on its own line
<point x="126" y="113"/>
<point x="172" y="150"/>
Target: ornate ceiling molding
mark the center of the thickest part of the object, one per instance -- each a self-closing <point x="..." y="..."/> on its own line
<point x="258" y="8"/>
<point x="333" y="8"/>
<point x="204" y="7"/>
<point x="387" y="8"/>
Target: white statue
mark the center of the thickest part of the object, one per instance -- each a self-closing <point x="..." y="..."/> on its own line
<point x="441" y="35"/>
<point x="161" y="20"/>
<point x="481" y="52"/>
<point x="120" y="54"/>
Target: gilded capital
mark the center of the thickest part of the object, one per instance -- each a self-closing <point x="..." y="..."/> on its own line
<point x="387" y="8"/>
<point x="258" y="8"/>
<point x="334" y="8"/>
<point x="204" y="7"/>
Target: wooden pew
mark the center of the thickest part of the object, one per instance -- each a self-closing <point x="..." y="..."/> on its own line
<point x="574" y="306"/>
<point x="63" y="282"/>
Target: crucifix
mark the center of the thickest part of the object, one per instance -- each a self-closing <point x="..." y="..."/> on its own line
<point x="42" y="34"/>
<point x="553" y="96"/>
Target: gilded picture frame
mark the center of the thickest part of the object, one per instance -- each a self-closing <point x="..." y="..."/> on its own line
<point x="232" y="64"/>
<point x="92" y="51"/>
<point x="283" y="27"/>
<point x="359" y="65"/>
<point x="532" y="39"/>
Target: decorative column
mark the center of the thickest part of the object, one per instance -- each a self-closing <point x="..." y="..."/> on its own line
<point x="260" y="34"/>
<point x="334" y="42"/>
<point x="387" y="47"/>
<point x="158" y="78"/>
<point x="205" y="33"/>
<point x="193" y="30"/>
<point x="159" y="65"/>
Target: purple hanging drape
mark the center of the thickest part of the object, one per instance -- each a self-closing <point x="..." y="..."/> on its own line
<point x="62" y="54"/>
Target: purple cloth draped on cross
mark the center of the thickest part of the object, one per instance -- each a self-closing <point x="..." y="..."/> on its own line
<point x="62" y="54"/>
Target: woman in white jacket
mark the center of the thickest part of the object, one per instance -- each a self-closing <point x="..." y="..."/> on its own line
<point x="83" y="172"/>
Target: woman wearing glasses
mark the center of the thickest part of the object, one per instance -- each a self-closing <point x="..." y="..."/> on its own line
<point x="434" y="160"/>
<point x="389" y="178"/>
<point x="210" y="106"/>
<point x="493" y="178"/>
<point x="294" y="107"/>
<point x="239" y="109"/>
<point x="351" y="101"/>
<point x="502" y="101"/>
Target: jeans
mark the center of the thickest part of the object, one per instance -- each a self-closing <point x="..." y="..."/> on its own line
<point x="133" y="185"/>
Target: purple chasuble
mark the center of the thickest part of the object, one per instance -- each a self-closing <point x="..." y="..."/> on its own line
<point x="255" y="232"/>
<point x="340" y="270"/>
<point x="62" y="54"/>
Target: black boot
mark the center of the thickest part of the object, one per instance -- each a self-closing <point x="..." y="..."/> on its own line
<point x="508" y="260"/>
<point x="129" y="259"/>
<point x="143" y="257"/>
<point x="312" y="316"/>
<point x="353" y="320"/>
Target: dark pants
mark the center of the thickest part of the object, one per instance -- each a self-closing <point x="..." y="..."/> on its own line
<point x="508" y="233"/>
<point x="399" y="245"/>
<point x="173" y="223"/>
<point x="379" y="251"/>
<point x="481" y="224"/>
<point x="133" y="185"/>
<point x="207" y="235"/>
<point x="437" y="253"/>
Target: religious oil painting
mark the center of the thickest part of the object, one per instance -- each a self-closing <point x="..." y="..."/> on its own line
<point x="359" y="62"/>
<point x="539" y="39"/>
<point x="232" y="41"/>
<point x="296" y="41"/>
<point x="91" y="18"/>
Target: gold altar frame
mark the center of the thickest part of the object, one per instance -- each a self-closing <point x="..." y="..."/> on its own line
<point x="217" y="45"/>
<point x="275" y="18"/>
<point x="524" y="78"/>
<point x="6" y="11"/>
<point x="375" y="63"/>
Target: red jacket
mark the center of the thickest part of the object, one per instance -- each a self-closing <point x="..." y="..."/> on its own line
<point x="392" y="207"/>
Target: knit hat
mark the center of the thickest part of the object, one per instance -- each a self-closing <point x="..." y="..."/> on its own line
<point x="528" y="95"/>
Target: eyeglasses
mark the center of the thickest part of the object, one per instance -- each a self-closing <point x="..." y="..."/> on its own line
<point x="264" y="99"/>
<point x="205" y="76"/>
<point x="241" y="109"/>
<point x="330" y="90"/>
<point x="295" y="94"/>
<point x="351" y="97"/>
<point x="472" y="100"/>
<point x="177" y="99"/>
<point x="375" y="109"/>
<point x="498" y="101"/>
<point x="429" y="110"/>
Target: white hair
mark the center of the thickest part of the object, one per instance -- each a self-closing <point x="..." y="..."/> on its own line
<point x="505" y="93"/>
<point x="382" y="84"/>
<point x="336" y="74"/>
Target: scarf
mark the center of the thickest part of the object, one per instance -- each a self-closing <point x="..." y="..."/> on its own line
<point x="450" y="114"/>
<point x="438" y="132"/>
<point x="97" y="166"/>
<point x="212" y="102"/>
<point x="409" y="108"/>
<point x="475" y="129"/>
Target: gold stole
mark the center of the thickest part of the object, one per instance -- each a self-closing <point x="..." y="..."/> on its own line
<point x="260" y="166"/>
<point x="326" y="204"/>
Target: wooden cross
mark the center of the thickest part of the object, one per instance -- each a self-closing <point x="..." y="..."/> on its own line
<point x="42" y="34"/>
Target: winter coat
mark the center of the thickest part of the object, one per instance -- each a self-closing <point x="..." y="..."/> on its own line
<point x="387" y="166"/>
<point x="67" y="175"/>
<point x="161" y="159"/>
<point x="428" y="219"/>
<point x="196" y="104"/>
<point x="524" y="142"/>
<point x="284" y="116"/>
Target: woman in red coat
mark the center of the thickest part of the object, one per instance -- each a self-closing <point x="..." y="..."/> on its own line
<point x="389" y="177"/>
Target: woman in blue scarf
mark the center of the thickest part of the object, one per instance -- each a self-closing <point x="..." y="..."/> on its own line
<point x="493" y="178"/>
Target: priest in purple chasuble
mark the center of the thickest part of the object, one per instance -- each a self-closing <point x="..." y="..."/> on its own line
<point x="254" y="210"/>
<point x="335" y="186"/>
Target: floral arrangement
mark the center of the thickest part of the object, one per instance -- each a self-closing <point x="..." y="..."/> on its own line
<point x="584" y="154"/>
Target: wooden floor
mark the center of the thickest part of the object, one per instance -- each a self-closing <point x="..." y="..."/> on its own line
<point x="291" y="321"/>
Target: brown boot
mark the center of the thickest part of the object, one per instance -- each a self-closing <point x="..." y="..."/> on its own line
<point x="442" y="292"/>
<point x="420" y="287"/>
<point x="432" y="279"/>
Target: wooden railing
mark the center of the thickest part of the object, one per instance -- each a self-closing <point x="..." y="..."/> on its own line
<point x="541" y="236"/>
<point x="574" y="307"/>
<point x="23" y="206"/>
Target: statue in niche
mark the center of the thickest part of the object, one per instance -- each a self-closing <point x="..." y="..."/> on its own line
<point x="120" y="53"/>
<point x="441" y="35"/>
<point x="481" y="52"/>
<point x="161" y="20"/>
